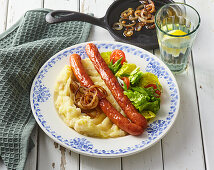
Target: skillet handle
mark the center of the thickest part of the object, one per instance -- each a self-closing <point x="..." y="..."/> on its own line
<point x="62" y="16"/>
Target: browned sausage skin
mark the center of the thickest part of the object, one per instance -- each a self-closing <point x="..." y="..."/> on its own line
<point x="116" y="117"/>
<point x="113" y="85"/>
<point x="79" y="71"/>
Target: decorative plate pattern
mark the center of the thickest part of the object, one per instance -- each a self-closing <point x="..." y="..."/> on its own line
<point x="42" y="98"/>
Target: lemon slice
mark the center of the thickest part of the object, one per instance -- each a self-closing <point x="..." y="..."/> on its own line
<point x="175" y="45"/>
<point x="177" y="32"/>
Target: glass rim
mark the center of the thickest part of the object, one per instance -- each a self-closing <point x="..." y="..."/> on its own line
<point x="199" y="21"/>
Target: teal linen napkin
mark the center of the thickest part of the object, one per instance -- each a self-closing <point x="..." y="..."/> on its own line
<point x="24" y="48"/>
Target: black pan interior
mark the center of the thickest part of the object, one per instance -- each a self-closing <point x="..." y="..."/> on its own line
<point x="145" y="38"/>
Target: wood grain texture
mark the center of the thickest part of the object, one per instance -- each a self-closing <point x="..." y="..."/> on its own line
<point x="90" y="163"/>
<point x="31" y="161"/>
<point x="150" y="159"/>
<point x="3" y="14"/>
<point x="2" y="166"/>
<point x="98" y="8"/>
<point x="17" y="8"/>
<point x="62" y="4"/>
<point x="182" y="146"/>
<point x="204" y="75"/>
<point x="53" y="156"/>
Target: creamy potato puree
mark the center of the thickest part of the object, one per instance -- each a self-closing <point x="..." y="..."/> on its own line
<point x="94" y="124"/>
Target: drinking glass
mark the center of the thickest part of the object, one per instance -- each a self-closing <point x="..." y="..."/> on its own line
<point x="176" y="25"/>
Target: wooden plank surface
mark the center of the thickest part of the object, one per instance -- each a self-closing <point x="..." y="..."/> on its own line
<point x="53" y="156"/>
<point x="90" y="163"/>
<point x="17" y="8"/>
<point x="31" y="162"/>
<point x="98" y="8"/>
<point x="182" y="146"/>
<point x="2" y="166"/>
<point x="150" y="159"/>
<point x="3" y="14"/>
<point x="204" y="75"/>
<point x="72" y="5"/>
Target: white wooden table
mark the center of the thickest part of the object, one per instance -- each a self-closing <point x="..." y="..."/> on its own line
<point x="187" y="146"/>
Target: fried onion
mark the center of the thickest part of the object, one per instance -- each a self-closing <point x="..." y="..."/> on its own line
<point x="126" y="13"/>
<point x="131" y="19"/>
<point x="127" y="23"/>
<point x="150" y="21"/>
<point x="139" y="26"/>
<point x="117" y="26"/>
<point x="87" y="98"/>
<point x="128" y="32"/>
<point x="150" y="7"/>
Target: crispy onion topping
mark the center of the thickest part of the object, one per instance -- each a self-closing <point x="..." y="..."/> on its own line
<point x="127" y="23"/>
<point x="126" y="13"/>
<point x="150" y="7"/>
<point x="87" y="98"/>
<point x="146" y="20"/>
<point x="139" y="26"/>
<point x="101" y="91"/>
<point x="137" y="13"/>
<point x="131" y="19"/>
<point x="118" y="26"/>
<point x="74" y="86"/>
<point x="128" y="32"/>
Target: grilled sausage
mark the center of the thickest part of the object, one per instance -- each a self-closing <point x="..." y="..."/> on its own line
<point x="116" y="117"/>
<point x="113" y="85"/>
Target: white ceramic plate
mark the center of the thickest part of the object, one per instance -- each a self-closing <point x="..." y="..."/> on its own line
<point x="42" y="104"/>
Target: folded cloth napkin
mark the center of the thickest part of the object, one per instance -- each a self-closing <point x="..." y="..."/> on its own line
<point x="24" y="48"/>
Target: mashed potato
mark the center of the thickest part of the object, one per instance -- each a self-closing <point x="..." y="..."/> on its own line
<point x="95" y="124"/>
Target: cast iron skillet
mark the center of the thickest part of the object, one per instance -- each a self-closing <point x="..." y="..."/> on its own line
<point x="145" y="38"/>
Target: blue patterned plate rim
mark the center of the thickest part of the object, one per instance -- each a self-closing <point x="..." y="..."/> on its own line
<point x="84" y="145"/>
